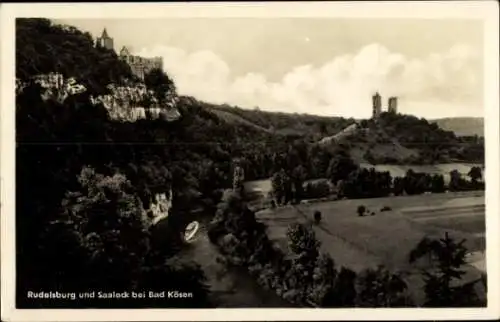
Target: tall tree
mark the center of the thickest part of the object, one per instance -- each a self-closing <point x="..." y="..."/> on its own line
<point x="475" y="174"/>
<point x="344" y="290"/>
<point x="298" y="177"/>
<point x="437" y="183"/>
<point x="340" y="167"/>
<point x="398" y="186"/>
<point x="325" y="274"/>
<point x="455" y="180"/>
<point x="305" y="249"/>
<point x="281" y="187"/>
<point x="445" y="272"/>
<point x="110" y="224"/>
<point x="238" y="177"/>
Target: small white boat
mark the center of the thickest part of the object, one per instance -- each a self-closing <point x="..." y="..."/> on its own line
<point x="191" y="231"/>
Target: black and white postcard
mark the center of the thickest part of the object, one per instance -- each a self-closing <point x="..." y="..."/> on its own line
<point x="288" y="161"/>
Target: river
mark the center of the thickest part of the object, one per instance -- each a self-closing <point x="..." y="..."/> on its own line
<point x="230" y="287"/>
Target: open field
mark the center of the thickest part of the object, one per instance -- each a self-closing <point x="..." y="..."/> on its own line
<point x="263" y="185"/>
<point x="387" y="237"/>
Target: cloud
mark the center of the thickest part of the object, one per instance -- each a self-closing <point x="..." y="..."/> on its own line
<point x="441" y="84"/>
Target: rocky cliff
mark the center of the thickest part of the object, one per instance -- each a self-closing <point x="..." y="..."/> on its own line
<point x="123" y="103"/>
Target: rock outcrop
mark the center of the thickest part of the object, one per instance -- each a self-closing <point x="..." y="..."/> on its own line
<point x="123" y="103"/>
<point x="131" y="103"/>
<point x="160" y="207"/>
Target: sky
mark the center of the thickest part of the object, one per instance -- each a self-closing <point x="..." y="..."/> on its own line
<point x="323" y="66"/>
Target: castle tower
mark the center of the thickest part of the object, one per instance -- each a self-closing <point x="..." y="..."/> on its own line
<point x="124" y="52"/>
<point x="105" y="41"/>
<point x="393" y="105"/>
<point x="377" y="105"/>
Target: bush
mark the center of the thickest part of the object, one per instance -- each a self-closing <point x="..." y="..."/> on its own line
<point x="317" y="216"/>
<point x="373" y="213"/>
<point x="381" y="288"/>
<point x="317" y="190"/>
<point x="361" y="210"/>
<point x="385" y="208"/>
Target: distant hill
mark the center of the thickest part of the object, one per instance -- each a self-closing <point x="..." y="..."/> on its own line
<point x="462" y="126"/>
<point x="405" y="139"/>
<point x="392" y="139"/>
<point x="303" y="125"/>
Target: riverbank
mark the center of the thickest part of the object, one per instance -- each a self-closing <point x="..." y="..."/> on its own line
<point x="230" y="287"/>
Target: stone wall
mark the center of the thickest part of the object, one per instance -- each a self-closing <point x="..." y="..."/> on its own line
<point x="140" y="66"/>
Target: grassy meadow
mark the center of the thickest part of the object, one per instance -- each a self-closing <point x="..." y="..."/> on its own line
<point x="386" y="238"/>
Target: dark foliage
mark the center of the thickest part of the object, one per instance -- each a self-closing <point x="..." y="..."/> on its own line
<point x="458" y="183"/>
<point x="341" y="166"/>
<point x="381" y="288"/>
<point x="312" y="126"/>
<point x="317" y="217"/>
<point x="43" y="47"/>
<point x="316" y="190"/>
<point x="364" y="183"/>
<point x="434" y="144"/>
<point x="160" y="83"/>
<point x="475" y="174"/>
<point x="57" y="139"/>
<point x="447" y="268"/>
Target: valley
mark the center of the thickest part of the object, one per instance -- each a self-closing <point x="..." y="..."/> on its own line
<point x="386" y="238"/>
<point x="130" y="163"/>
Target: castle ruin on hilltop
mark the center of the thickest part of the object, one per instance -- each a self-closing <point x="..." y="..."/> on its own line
<point x="377" y="105"/>
<point x="140" y="66"/>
